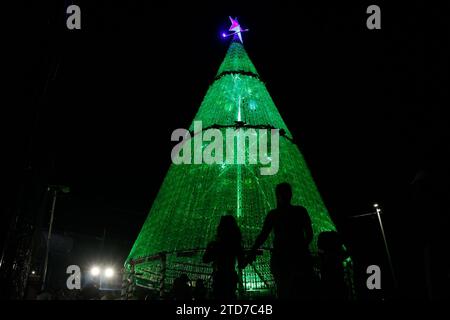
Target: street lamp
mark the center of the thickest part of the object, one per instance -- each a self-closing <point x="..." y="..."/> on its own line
<point x="95" y="271"/>
<point x="109" y="272"/>
<point x="55" y="189"/>
<point x="388" y="254"/>
<point x="102" y="273"/>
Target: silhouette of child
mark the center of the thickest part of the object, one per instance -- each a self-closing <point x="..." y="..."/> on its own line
<point x="223" y="253"/>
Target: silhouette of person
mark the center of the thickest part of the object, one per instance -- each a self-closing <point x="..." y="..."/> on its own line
<point x="332" y="255"/>
<point x="200" y="290"/>
<point x="223" y="253"/>
<point x="181" y="289"/>
<point x="291" y="263"/>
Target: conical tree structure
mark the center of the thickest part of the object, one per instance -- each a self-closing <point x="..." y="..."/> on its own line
<point x="193" y="197"/>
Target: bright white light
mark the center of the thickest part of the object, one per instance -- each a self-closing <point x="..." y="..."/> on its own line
<point x="109" y="272"/>
<point x="33" y="272"/>
<point x="375" y="205"/>
<point x="95" y="271"/>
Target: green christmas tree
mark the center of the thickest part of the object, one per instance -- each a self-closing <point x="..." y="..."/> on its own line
<point x="193" y="197"/>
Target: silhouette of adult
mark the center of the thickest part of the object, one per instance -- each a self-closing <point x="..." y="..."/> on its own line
<point x="291" y="263"/>
<point x="200" y="291"/>
<point x="332" y="256"/>
<point x="223" y="253"/>
<point x="181" y="289"/>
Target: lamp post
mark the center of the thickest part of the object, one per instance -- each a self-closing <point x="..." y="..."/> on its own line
<point x="388" y="254"/>
<point x="101" y="272"/>
<point x="55" y="189"/>
<point x="386" y="247"/>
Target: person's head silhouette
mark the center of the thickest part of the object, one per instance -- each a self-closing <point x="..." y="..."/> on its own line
<point x="228" y="229"/>
<point x="199" y="283"/>
<point x="283" y="192"/>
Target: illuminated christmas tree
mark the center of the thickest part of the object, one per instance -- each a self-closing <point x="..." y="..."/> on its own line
<point x="193" y="197"/>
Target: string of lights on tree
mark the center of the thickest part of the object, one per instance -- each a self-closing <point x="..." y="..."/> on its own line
<point x="193" y="197"/>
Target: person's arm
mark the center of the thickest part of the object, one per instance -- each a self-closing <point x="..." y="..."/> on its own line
<point x="265" y="231"/>
<point x="209" y="254"/>
<point x="242" y="262"/>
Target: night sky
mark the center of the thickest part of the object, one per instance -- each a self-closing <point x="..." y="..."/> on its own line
<point x="365" y="106"/>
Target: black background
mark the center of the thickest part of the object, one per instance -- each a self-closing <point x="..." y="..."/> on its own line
<point x="365" y="106"/>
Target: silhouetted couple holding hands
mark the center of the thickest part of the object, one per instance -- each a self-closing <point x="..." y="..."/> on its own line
<point x="290" y="264"/>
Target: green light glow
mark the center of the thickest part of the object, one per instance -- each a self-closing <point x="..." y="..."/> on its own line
<point x="239" y="169"/>
<point x="192" y="198"/>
